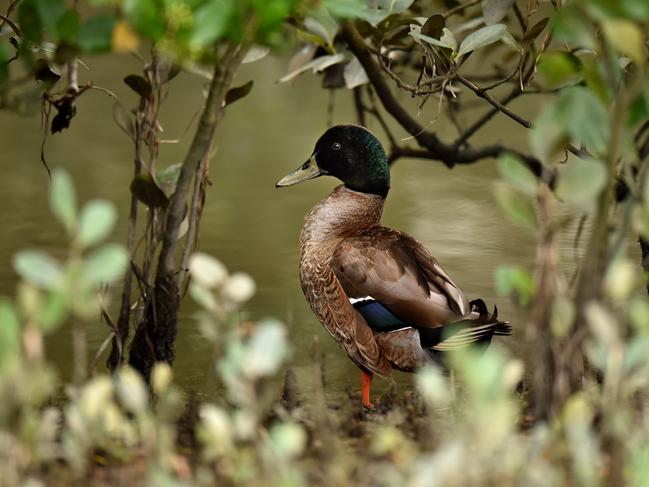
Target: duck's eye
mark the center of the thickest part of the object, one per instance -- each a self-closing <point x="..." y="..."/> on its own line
<point x="336" y="146"/>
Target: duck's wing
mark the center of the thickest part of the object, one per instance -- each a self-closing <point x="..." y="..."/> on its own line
<point x="395" y="282"/>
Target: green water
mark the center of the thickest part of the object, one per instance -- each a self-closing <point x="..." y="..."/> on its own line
<point x="248" y="224"/>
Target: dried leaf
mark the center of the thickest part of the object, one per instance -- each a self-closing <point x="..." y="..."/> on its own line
<point x="123" y="119"/>
<point x="147" y="191"/>
<point x="238" y="92"/>
<point x="434" y="26"/>
<point x="138" y="84"/>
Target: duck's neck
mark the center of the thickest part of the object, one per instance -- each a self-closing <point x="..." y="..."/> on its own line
<point x="342" y="213"/>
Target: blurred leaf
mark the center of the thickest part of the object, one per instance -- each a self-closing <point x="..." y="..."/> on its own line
<point x="563" y="315"/>
<point x="580" y="182"/>
<point x="147" y="191"/>
<point x="9" y="331"/>
<point x="557" y="67"/>
<point x="105" y="265"/>
<point x="95" y="222"/>
<point x="627" y="38"/>
<point x="288" y="439"/>
<point x="320" y="23"/>
<point x="570" y="27"/>
<point x="517" y="206"/>
<point x="494" y="11"/>
<point x="639" y="110"/>
<point x="577" y="114"/>
<point x="238" y="92"/>
<point x="38" y="269"/>
<point x="123" y="119"/>
<point x="481" y="38"/>
<point x="146" y="17"/>
<point x="518" y="174"/>
<point x="434" y="26"/>
<point x="30" y="22"/>
<point x="265" y="350"/>
<point x="207" y="271"/>
<point x="49" y="12"/>
<point x="514" y="280"/>
<point x="534" y="31"/>
<point x="378" y="11"/>
<point x="255" y="53"/>
<point x="54" y="310"/>
<point x="620" y="279"/>
<point x="433" y="386"/>
<point x="67" y="26"/>
<point x="238" y="288"/>
<point x="344" y="9"/>
<point x="316" y="65"/>
<point x="138" y="84"/>
<point x="124" y="38"/>
<point x="354" y="74"/>
<point x="95" y="35"/>
<point x="210" y="22"/>
<point x="63" y="200"/>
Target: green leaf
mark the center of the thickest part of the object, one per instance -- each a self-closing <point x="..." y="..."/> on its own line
<point x="447" y="40"/>
<point x="30" y="22"/>
<point x="38" y="269"/>
<point x="168" y="177"/>
<point x="146" y="17"/>
<point x="67" y="26"/>
<point x="518" y="207"/>
<point x="238" y="92"/>
<point x="211" y="21"/>
<point x="584" y="117"/>
<point x="96" y="222"/>
<point x="580" y="182"/>
<point x="494" y="11"/>
<point x="627" y="38"/>
<point x="147" y="191"/>
<point x="9" y="331"/>
<point x="639" y="110"/>
<point x="63" y="200"/>
<point x="53" y="311"/>
<point x="138" y="84"/>
<point x="557" y="67"/>
<point x="344" y="9"/>
<point x="516" y="281"/>
<point x="95" y="35"/>
<point x="322" y="25"/>
<point x="481" y="38"/>
<point x="518" y="174"/>
<point x="50" y="11"/>
<point x="105" y="265"/>
<point x="578" y="115"/>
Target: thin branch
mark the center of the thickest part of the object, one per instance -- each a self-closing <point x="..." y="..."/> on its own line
<point x="431" y="146"/>
<point x="493" y="102"/>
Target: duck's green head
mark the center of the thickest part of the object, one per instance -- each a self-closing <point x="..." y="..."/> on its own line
<point x="350" y="153"/>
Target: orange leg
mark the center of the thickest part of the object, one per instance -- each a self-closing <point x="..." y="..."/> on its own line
<point x="366" y="382"/>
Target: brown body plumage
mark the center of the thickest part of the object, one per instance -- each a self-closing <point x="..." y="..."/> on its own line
<point x="379" y="293"/>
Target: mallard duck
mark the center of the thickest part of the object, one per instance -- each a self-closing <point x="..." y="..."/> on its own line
<point x="379" y="293"/>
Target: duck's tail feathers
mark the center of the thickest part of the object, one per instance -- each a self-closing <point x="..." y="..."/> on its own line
<point x="462" y="334"/>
